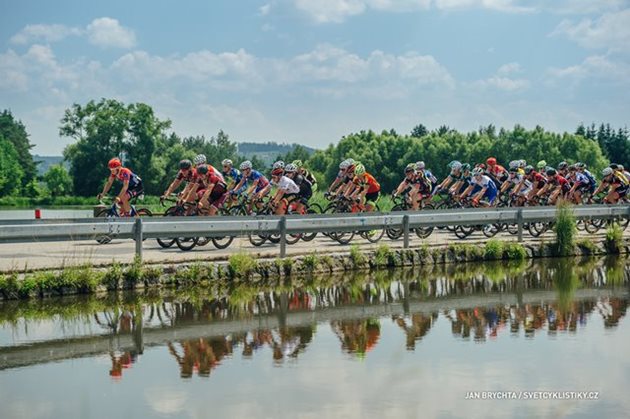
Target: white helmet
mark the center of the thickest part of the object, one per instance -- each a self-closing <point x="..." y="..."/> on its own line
<point x="514" y="164"/>
<point x="344" y="165"/>
<point x="420" y="165"/>
<point x="290" y="168"/>
<point x="522" y="163"/>
<point x="607" y="171"/>
<point x="477" y="171"/>
<point x="245" y="165"/>
<point x="455" y="165"/>
<point x="227" y="162"/>
<point x="278" y="165"/>
<point x="351" y="161"/>
<point x="199" y="159"/>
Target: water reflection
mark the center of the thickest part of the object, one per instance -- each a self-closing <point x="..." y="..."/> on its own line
<point x="205" y="329"/>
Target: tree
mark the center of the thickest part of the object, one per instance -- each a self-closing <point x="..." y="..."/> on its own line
<point x="298" y="153"/>
<point x="11" y="173"/>
<point x="58" y="180"/>
<point x="419" y="131"/>
<point x="14" y="132"/>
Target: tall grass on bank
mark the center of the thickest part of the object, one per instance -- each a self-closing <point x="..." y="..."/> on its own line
<point x="565" y="229"/>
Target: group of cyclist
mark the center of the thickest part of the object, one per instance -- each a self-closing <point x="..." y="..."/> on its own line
<point x="209" y="189"/>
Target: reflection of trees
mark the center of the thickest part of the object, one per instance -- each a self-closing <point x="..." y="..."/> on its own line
<point x="419" y="327"/>
<point x="357" y="336"/>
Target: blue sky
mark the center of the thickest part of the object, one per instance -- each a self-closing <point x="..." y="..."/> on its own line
<point x="311" y="71"/>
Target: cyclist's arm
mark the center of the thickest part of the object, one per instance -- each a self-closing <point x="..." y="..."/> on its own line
<point x="467" y="192"/>
<point x="455" y="186"/>
<point x="207" y="193"/>
<point x="544" y="189"/>
<point x="123" y="190"/>
<point x="278" y="196"/>
<point x="481" y="193"/>
<point x="252" y="187"/>
<point x="174" y="185"/>
<point x="107" y="186"/>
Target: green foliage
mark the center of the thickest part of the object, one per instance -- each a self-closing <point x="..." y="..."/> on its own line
<point x="311" y="261"/>
<point x="327" y="261"/>
<point x="614" y="144"/>
<point x="565" y="230"/>
<point x="357" y="256"/>
<point x="382" y="255"/>
<point x="11" y="174"/>
<point x="58" y="180"/>
<point x="192" y="275"/>
<point x="493" y="249"/>
<point x="614" y="236"/>
<point x="588" y="245"/>
<point x="514" y="251"/>
<point x="113" y="277"/>
<point x="241" y="265"/>
<point x="14" y="132"/>
<point x="133" y="274"/>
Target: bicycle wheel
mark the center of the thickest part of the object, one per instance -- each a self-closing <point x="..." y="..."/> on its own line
<point x="463" y="231"/>
<point x="144" y="212"/>
<point x="395" y="233"/>
<point x="222" y="242"/>
<point x="186" y="243"/>
<point x="316" y="208"/>
<point x="202" y="241"/>
<point x="343" y="238"/>
<point x="257" y="239"/>
<point x="490" y="230"/>
<point x="104" y="213"/>
<point x="307" y="237"/>
<point x="592" y="226"/>
<point x="166" y="243"/>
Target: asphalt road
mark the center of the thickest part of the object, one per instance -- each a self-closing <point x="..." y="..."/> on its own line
<point x="40" y="255"/>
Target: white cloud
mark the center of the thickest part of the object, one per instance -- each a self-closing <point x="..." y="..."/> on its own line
<point x="502" y="80"/>
<point x="47" y="33"/>
<point x="324" y="11"/>
<point x="511" y="6"/>
<point x="611" y="31"/>
<point x="107" y="32"/>
<point x="594" y="67"/>
<point x="265" y="9"/>
<point x="509" y="69"/>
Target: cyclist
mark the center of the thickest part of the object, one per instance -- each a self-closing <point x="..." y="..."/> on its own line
<point x="367" y="190"/>
<point x="496" y="172"/>
<point x="537" y="180"/>
<point x="201" y="159"/>
<point x="186" y="174"/>
<point x="420" y="167"/>
<point x="463" y="182"/>
<point x="233" y="177"/>
<point x="287" y="191"/>
<point x="563" y="169"/>
<point x="305" y="173"/>
<point x="212" y="190"/>
<point x="454" y="176"/>
<point x="581" y="167"/>
<point x="521" y="187"/>
<point x="580" y="184"/>
<point x="616" y="183"/>
<point x="255" y="181"/>
<point x="132" y="185"/>
<point x="410" y="185"/>
<point x="343" y="177"/>
<point x="306" y="190"/>
<point x="557" y="186"/>
<point x="481" y="186"/>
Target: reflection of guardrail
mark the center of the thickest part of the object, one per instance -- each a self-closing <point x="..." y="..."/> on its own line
<point x="60" y="349"/>
<point x="165" y="227"/>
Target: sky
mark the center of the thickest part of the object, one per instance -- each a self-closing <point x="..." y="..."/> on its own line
<point x="312" y="71"/>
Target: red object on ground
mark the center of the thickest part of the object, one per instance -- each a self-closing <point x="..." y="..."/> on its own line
<point x="38" y="214"/>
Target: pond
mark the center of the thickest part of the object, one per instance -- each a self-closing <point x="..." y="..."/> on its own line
<point x="400" y="344"/>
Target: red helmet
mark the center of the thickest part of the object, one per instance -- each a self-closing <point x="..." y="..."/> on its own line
<point x="277" y="172"/>
<point x="114" y="163"/>
<point x="491" y="161"/>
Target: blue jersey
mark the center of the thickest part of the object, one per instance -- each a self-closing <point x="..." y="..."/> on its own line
<point x="256" y="175"/>
<point x="233" y="174"/>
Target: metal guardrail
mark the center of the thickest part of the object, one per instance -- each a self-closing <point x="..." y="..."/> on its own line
<point x="165" y="227"/>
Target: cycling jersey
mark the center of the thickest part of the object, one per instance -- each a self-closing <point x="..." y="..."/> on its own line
<point x="204" y="181"/>
<point x="125" y="174"/>
<point x="369" y="181"/>
<point x="485" y="182"/>
<point x="429" y="176"/>
<point x="560" y="181"/>
<point x="537" y="179"/>
<point x="287" y="185"/>
<point x="233" y="175"/>
<point x="256" y="175"/>
<point x="581" y="179"/>
<point x="189" y="176"/>
<point x="306" y="190"/>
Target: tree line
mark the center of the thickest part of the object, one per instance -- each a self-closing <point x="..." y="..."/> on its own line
<point x="107" y="128"/>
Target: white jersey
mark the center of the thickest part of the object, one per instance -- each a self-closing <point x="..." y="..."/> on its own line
<point x="484" y="182"/>
<point x="518" y="178"/>
<point x="287" y="185"/>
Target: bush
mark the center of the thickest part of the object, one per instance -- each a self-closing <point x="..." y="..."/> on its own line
<point x="381" y="256"/>
<point x="565" y="230"/>
<point x="311" y="261"/>
<point x="514" y="251"/>
<point x="113" y="277"/>
<point x="493" y="250"/>
<point x="614" y="235"/>
<point x="133" y="273"/>
<point x="241" y="265"/>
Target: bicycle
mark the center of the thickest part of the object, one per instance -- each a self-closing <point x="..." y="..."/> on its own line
<point x="112" y="212"/>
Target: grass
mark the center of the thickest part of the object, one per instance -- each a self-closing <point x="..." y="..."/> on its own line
<point x="382" y="255"/>
<point x="241" y="265"/>
<point x="357" y="256"/>
<point x="565" y="230"/>
<point x="514" y="251"/>
<point x="493" y="250"/>
<point x="311" y="261"/>
<point x="614" y="235"/>
<point x="588" y="245"/>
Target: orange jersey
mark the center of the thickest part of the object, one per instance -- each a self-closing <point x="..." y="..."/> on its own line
<point x="369" y="181"/>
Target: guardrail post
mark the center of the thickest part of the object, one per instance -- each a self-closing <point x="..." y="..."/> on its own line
<point x="283" y="237"/>
<point x="405" y="225"/>
<point x="519" y="220"/>
<point x="137" y="236"/>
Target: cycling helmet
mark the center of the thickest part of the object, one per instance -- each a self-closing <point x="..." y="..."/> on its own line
<point x="185" y="164"/>
<point x="351" y="161"/>
<point x="563" y="165"/>
<point x="477" y="171"/>
<point x="572" y="168"/>
<point x="481" y="166"/>
<point x="491" y="161"/>
<point x="290" y="168"/>
<point x="411" y="167"/>
<point x="278" y="165"/>
<point x="620" y="167"/>
<point x="202" y="169"/>
<point x="522" y="164"/>
<point x="420" y="165"/>
<point x="541" y="164"/>
<point x="580" y="165"/>
<point x="297" y="163"/>
<point x="227" y="162"/>
<point x="513" y="164"/>
<point x="455" y="165"/>
<point x="344" y="165"/>
<point x="465" y="167"/>
<point x="614" y="166"/>
<point x="359" y="169"/>
<point x="529" y="169"/>
<point x="551" y="172"/>
<point x="607" y="171"/>
<point x="114" y="163"/>
<point x="512" y="170"/>
<point x="277" y="171"/>
<point x="245" y="165"/>
<point x="199" y="159"/>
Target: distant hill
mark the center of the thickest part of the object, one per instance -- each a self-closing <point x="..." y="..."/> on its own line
<point x="46" y="161"/>
<point x="267" y="151"/>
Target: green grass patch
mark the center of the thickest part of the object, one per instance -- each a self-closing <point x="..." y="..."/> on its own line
<point x="311" y="261"/>
<point x="614" y="236"/>
<point x="493" y="250"/>
<point x="241" y="265"/>
<point x="514" y="251"/>
<point x="588" y="245"/>
<point x="382" y="255"/>
<point x="357" y="256"/>
<point x="565" y="230"/>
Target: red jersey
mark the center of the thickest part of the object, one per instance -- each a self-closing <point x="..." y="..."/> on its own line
<point x="369" y="181"/>
<point x="204" y="181"/>
<point x="189" y="176"/>
<point x="125" y="174"/>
